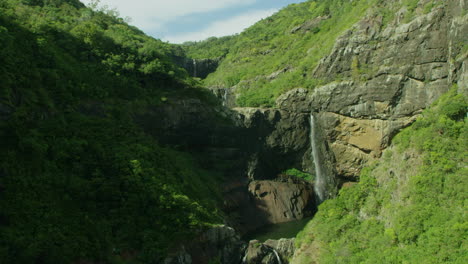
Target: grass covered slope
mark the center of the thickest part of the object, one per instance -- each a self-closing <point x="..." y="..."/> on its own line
<point x="79" y="180"/>
<point x="290" y="43"/>
<point x="410" y="207"/>
<point x="282" y="52"/>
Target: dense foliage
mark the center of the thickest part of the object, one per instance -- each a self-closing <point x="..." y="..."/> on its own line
<point x="299" y="174"/>
<point x="407" y="208"/>
<point x="210" y="48"/>
<point x="79" y="180"/>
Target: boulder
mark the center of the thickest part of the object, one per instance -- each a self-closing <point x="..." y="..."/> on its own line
<point x="286" y="201"/>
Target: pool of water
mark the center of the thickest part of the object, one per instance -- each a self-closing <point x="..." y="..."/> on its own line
<point x="277" y="231"/>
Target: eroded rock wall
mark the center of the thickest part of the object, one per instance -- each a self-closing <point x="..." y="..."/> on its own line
<point x="283" y="200"/>
<point x="380" y="78"/>
<point x="220" y="244"/>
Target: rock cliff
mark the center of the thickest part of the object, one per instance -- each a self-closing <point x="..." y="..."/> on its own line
<point x="199" y="68"/>
<point x="269" y="252"/>
<point x="377" y="79"/>
<point x="249" y="147"/>
<point x="219" y="243"/>
<point x="380" y="78"/>
<point x="283" y="201"/>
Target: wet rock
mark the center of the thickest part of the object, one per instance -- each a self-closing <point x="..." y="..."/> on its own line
<point x="269" y="252"/>
<point x="259" y="253"/>
<point x="227" y="95"/>
<point x="284" y="246"/>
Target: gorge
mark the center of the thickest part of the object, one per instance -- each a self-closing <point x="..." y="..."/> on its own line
<point x="120" y="148"/>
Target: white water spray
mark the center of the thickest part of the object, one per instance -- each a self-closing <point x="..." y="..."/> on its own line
<point x="225" y="95"/>
<point x="277" y="256"/>
<point x="320" y="177"/>
<point x="244" y="259"/>
<point x="194" y="62"/>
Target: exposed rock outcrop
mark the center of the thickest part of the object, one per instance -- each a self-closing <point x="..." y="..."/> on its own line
<point x="269" y="252"/>
<point x="284" y="246"/>
<point x="388" y="76"/>
<point x="281" y="140"/>
<point x="244" y="145"/>
<point x="283" y="201"/>
<point x="227" y="96"/>
<point x="199" y="68"/>
<point x="219" y="243"/>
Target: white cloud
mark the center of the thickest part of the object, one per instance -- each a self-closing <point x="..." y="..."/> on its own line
<point x="223" y="28"/>
<point x="153" y="14"/>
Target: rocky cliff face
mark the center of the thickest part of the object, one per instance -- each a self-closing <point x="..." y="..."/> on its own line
<point x="250" y="147"/>
<point x="269" y="252"/>
<point x="281" y="140"/>
<point x="199" y="68"/>
<point x="378" y="78"/>
<point x="283" y="201"/>
<point x="381" y="78"/>
<point x="219" y="243"/>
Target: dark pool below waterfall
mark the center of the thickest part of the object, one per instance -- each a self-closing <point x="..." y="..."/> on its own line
<point x="277" y="231"/>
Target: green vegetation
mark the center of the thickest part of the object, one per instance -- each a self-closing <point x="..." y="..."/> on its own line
<point x="407" y="208"/>
<point x="291" y="42"/>
<point x="79" y="179"/>
<point x="210" y="48"/>
<point x="299" y="174"/>
<point x="281" y="52"/>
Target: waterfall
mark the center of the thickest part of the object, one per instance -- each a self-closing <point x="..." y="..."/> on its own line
<point x="277" y="256"/>
<point x="244" y="259"/>
<point x="225" y="95"/>
<point x="194" y="62"/>
<point x="320" y="184"/>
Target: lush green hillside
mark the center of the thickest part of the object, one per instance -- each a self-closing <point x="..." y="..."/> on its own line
<point x="79" y="180"/>
<point x="407" y="208"/>
<point x="281" y="52"/>
<point x="210" y="48"/>
<point x="292" y="40"/>
<point x="82" y="181"/>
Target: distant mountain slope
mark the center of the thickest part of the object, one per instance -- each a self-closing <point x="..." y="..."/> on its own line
<point x="282" y="52"/>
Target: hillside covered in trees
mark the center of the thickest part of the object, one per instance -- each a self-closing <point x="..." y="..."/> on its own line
<point x="79" y="178"/>
<point x="111" y="152"/>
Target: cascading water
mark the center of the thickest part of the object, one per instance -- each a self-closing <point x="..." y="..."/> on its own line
<point x="244" y="259"/>
<point x="194" y="62"/>
<point x="225" y="95"/>
<point x="277" y="256"/>
<point x="320" y="184"/>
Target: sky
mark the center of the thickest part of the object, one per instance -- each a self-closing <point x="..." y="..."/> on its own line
<point x="177" y="21"/>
